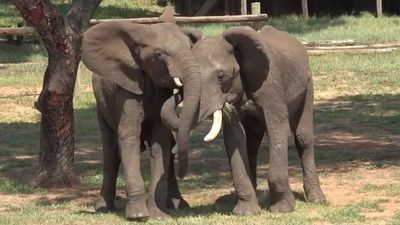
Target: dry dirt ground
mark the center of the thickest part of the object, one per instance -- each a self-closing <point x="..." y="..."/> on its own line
<point x="353" y="165"/>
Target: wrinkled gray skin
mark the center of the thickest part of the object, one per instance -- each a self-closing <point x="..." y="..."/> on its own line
<point x="134" y="65"/>
<point x="265" y="77"/>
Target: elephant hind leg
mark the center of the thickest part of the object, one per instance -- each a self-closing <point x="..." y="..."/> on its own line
<point x="304" y="139"/>
<point x="278" y="129"/>
<point x="111" y="162"/>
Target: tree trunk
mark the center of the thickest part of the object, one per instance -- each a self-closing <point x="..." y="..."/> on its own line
<point x="61" y="36"/>
<point x="57" y="126"/>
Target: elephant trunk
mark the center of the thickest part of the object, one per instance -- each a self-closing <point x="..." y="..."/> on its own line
<point x="191" y="80"/>
<point x="168" y="112"/>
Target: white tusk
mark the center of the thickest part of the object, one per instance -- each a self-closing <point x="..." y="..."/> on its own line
<point x="180" y="105"/>
<point x="176" y="91"/>
<point x="177" y="82"/>
<point x="216" y="126"/>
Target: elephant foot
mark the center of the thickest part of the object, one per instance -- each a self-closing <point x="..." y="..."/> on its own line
<point x="101" y="206"/>
<point x="157" y="209"/>
<point x="283" y="204"/>
<point x="315" y="195"/>
<point x="178" y="203"/>
<point x="157" y="213"/>
<point x="136" y="211"/>
<point x="247" y="208"/>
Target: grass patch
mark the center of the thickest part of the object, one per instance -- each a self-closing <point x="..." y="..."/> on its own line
<point x="11" y="186"/>
<point x="396" y="219"/>
<point x="363" y="29"/>
<point x="392" y="190"/>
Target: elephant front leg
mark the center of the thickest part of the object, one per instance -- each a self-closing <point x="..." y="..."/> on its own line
<point x="281" y="196"/>
<point x="235" y="144"/>
<point x="129" y="131"/>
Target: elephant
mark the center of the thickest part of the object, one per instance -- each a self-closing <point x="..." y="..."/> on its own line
<point x="136" y="67"/>
<point x="256" y="83"/>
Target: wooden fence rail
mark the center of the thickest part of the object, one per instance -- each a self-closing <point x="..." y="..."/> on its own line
<point x="255" y="21"/>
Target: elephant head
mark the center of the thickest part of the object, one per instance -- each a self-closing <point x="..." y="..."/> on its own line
<point x="233" y="65"/>
<point x="125" y="53"/>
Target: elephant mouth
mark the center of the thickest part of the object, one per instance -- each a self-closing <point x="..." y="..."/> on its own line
<point x="216" y="126"/>
<point x="216" y="115"/>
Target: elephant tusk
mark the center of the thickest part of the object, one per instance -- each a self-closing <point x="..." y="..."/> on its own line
<point x="216" y="126"/>
<point x="180" y="105"/>
<point x="177" y="82"/>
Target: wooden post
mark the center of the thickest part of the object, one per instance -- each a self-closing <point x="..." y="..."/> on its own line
<point x="243" y="7"/>
<point x="256" y="10"/>
<point x="304" y="8"/>
<point x="379" y="9"/>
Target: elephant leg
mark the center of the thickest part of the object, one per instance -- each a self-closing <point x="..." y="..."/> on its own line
<point x="255" y="131"/>
<point x="111" y="161"/>
<point x="161" y="141"/>
<point x="129" y="130"/>
<point x="304" y="139"/>
<point x="278" y="129"/>
<point x="175" y="199"/>
<point x="235" y="144"/>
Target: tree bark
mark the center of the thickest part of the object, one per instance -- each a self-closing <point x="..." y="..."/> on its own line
<point x="61" y="36"/>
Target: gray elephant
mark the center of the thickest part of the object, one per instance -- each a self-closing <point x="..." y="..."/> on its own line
<point x="136" y="67"/>
<point x="263" y="83"/>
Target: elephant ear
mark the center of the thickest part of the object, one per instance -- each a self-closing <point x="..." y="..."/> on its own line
<point x="193" y="34"/>
<point x="110" y="50"/>
<point x="168" y="15"/>
<point x="252" y="55"/>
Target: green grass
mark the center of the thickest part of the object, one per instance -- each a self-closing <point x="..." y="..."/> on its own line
<point x="12" y="186"/>
<point x="363" y="29"/>
<point x="391" y="190"/>
<point x="39" y="213"/>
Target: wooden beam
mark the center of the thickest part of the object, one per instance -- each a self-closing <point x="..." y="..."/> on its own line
<point x="304" y="8"/>
<point x="179" y="19"/>
<point x="206" y="7"/>
<point x="379" y="8"/>
<point x="17" y="31"/>
<point x="197" y="19"/>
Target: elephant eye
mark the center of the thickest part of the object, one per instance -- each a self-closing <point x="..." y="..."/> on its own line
<point x="222" y="77"/>
<point x="157" y="54"/>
